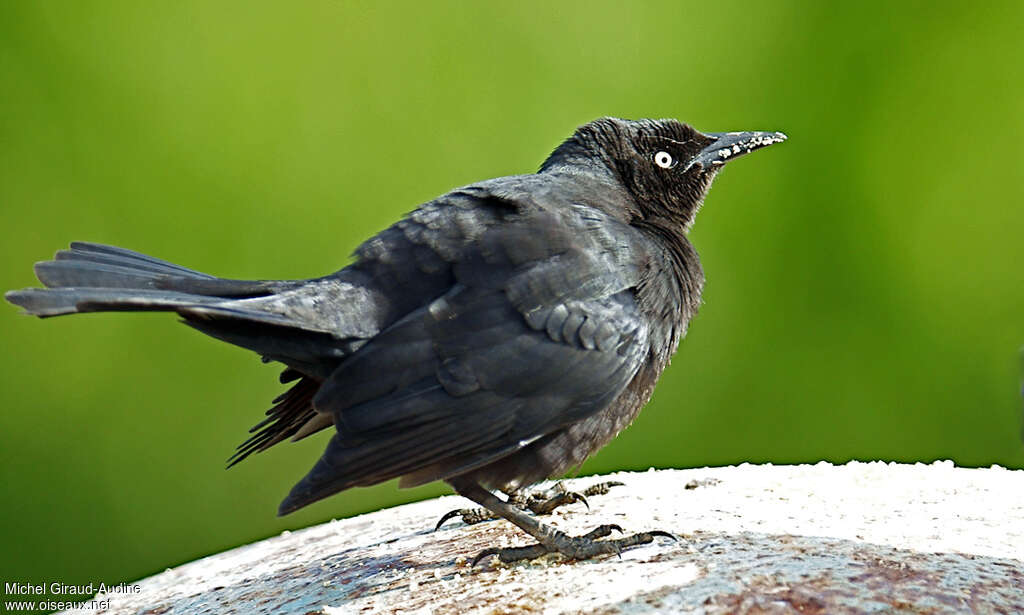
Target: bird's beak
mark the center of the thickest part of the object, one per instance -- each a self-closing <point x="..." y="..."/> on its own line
<point x="729" y="145"/>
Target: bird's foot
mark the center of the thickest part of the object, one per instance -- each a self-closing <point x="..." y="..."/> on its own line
<point x="573" y="547"/>
<point x="545" y="501"/>
<point x="540" y="502"/>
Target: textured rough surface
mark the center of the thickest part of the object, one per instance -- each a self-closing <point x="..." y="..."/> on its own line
<point x="858" y="538"/>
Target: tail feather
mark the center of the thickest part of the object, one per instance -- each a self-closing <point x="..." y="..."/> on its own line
<point x="60" y="301"/>
<point x="82" y="252"/>
<point x="72" y="273"/>
<point x="308" y="325"/>
<point x="91" y="277"/>
<point x="93" y="265"/>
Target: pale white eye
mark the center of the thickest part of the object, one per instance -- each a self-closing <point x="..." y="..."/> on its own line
<point x="664" y="160"/>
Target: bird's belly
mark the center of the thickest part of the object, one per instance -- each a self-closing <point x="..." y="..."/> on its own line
<point x="558" y="452"/>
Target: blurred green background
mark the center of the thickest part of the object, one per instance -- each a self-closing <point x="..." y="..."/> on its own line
<point x="864" y="296"/>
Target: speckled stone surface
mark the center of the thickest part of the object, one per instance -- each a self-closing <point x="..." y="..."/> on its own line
<point x="857" y="538"/>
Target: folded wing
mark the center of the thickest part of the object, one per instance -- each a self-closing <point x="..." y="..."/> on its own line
<point x="541" y="329"/>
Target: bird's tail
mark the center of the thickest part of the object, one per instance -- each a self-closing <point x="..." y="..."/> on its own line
<point x="260" y="315"/>
<point x="91" y="277"/>
<point x="273" y="318"/>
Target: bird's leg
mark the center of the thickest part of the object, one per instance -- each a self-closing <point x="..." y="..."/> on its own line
<point x="539" y="502"/>
<point x="550" y="539"/>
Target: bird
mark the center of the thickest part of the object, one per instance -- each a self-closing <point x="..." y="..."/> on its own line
<point x="494" y="337"/>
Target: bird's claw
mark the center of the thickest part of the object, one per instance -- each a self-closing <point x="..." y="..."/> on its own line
<point x="664" y="534"/>
<point x="470" y="516"/>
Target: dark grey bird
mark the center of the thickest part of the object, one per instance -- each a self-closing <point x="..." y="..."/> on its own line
<point x="494" y="337"/>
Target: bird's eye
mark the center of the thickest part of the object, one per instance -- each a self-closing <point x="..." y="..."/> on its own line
<point x="664" y="160"/>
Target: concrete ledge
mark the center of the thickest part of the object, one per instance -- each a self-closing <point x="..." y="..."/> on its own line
<point x="863" y="537"/>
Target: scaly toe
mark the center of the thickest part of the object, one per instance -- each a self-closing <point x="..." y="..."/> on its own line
<point x="602" y="488"/>
<point x="470" y="516"/>
<point x="508" y="555"/>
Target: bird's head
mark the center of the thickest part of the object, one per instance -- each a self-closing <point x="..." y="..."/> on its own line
<point x="665" y="165"/>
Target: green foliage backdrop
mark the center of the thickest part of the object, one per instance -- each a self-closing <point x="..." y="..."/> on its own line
<point x="864" y="295"/>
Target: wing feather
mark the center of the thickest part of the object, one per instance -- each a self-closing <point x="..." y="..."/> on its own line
<point x="540" y="329"/>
